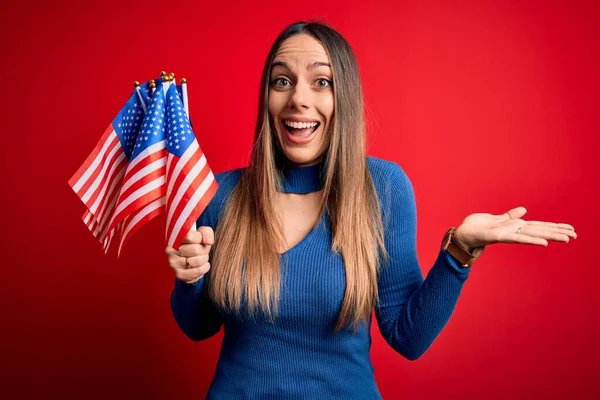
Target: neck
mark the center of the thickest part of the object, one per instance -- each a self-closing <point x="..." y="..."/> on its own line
<point x="301" y="179"/>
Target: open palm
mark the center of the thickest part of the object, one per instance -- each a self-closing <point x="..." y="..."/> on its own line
<point x="482" y="229"/>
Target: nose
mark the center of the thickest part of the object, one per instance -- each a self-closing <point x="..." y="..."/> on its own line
<point x="301" y="97"/>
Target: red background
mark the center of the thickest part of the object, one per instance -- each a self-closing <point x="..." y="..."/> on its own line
<point x="486" y="105"/>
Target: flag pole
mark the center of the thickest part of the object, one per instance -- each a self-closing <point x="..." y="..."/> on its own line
<point x="136" y="85"/>
<point x="166" y="82"/>
<point x="186" y="106"/>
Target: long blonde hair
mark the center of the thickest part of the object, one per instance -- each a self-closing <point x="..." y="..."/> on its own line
<point x="245" y="258"/>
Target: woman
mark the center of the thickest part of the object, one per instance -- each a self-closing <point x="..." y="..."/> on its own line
<point x="313" y="235"/>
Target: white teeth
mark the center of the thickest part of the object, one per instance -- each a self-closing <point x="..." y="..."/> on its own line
<point x="300" y="125"/>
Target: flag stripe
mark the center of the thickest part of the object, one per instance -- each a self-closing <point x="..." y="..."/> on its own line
<point x="188" y="188"/>
<point x="82" y="174"/>
<point x="98" y="174"/>
<point x="179" y="166"/>
<point x="196" y="159"/>
<point x="102" y="228"/>
<point x="110" y="179"/>
<point x="152" y="163"/>
<point x="187" y="174"/>
<point x="140" y="161"/>
<point x="194" y="204"/>
<point x="136" y="220"/>
<point x="98" y="208"/>
<point x="149" y="192"/>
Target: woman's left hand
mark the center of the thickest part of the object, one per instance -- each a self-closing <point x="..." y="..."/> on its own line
<point x="483" y="229"/>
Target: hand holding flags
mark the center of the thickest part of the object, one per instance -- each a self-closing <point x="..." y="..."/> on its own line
<point x="147" y="162"/>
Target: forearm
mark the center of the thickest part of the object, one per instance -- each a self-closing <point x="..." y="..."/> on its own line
<point x="422" y="317"/>
<point x="195" y="315"/>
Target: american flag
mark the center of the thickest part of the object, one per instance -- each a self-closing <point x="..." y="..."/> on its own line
<point x="133" y="172"/>
<point x="98" y="181"/>
<point x="190" y="182"/>
<point x="143" y="185"/>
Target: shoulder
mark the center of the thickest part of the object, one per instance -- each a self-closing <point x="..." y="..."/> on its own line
<point x="229" y="178"/>
<point x="226" y="181"/>
<point x="394" y="189"/>
<point x="388" y="177"/>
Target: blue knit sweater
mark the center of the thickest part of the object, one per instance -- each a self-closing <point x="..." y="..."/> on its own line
<point x="300" y="356"/>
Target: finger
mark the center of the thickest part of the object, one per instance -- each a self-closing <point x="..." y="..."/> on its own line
<point x="176" y="262"/>
<point x="564" y="229"/>
<point x="198" y="261"/>
<point x="193" y="237"/>
<point x="192" y="250"/>
<point x="560" y="226"/>
<point x="193" y="273"/>
<point x="524" y="239"/>
<point x="208" y="236"/>
<point x="515" y="213"/>
<point x="545" y="232"/>
<point x="169" y="251"/>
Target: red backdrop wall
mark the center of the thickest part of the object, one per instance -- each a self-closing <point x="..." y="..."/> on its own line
<point x="486" y="105"/>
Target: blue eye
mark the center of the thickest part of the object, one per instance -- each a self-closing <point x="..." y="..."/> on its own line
<point x="275" y="81"/>
<point x="326" y="81"/>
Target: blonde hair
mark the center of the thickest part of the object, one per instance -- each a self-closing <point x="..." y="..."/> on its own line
<point x="245" y="258"/>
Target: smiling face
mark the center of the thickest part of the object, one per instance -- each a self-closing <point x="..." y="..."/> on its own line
<point x="301" y="100"/>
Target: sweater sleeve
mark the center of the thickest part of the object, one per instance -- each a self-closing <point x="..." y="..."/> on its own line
<point x="412" y="311"/>
<point x="195" y="313"/>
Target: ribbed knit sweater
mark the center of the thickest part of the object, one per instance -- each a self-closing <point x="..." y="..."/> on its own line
<point x="300" y="356"/>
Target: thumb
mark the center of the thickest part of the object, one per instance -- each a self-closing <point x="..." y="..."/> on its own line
<point x="517" y="212"/>
<point x="208" y="236"/>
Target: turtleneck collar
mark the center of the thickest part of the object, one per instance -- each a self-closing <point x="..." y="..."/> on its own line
<point x="302" y="180"/>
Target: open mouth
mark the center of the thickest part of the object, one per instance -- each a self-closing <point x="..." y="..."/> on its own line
<point x="300" y="130"/>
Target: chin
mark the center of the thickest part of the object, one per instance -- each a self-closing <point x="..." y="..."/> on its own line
<point x="302" y="157"/>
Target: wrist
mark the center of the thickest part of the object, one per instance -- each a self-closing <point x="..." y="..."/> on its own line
<point x="461" y="242"/>
<point x="465" y="255"/>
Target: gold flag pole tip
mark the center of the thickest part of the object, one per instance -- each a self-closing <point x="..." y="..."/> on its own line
<point x="183" y="80"/>
<point x="136" y="83"/>
<point x="162" y="73"/>
<point x="152" y="83"/>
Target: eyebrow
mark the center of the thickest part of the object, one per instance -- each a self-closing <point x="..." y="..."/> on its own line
<point x="316" y="64"/>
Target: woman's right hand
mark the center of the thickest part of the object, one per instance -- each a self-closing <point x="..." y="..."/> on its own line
<point x="190" y="262"/>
